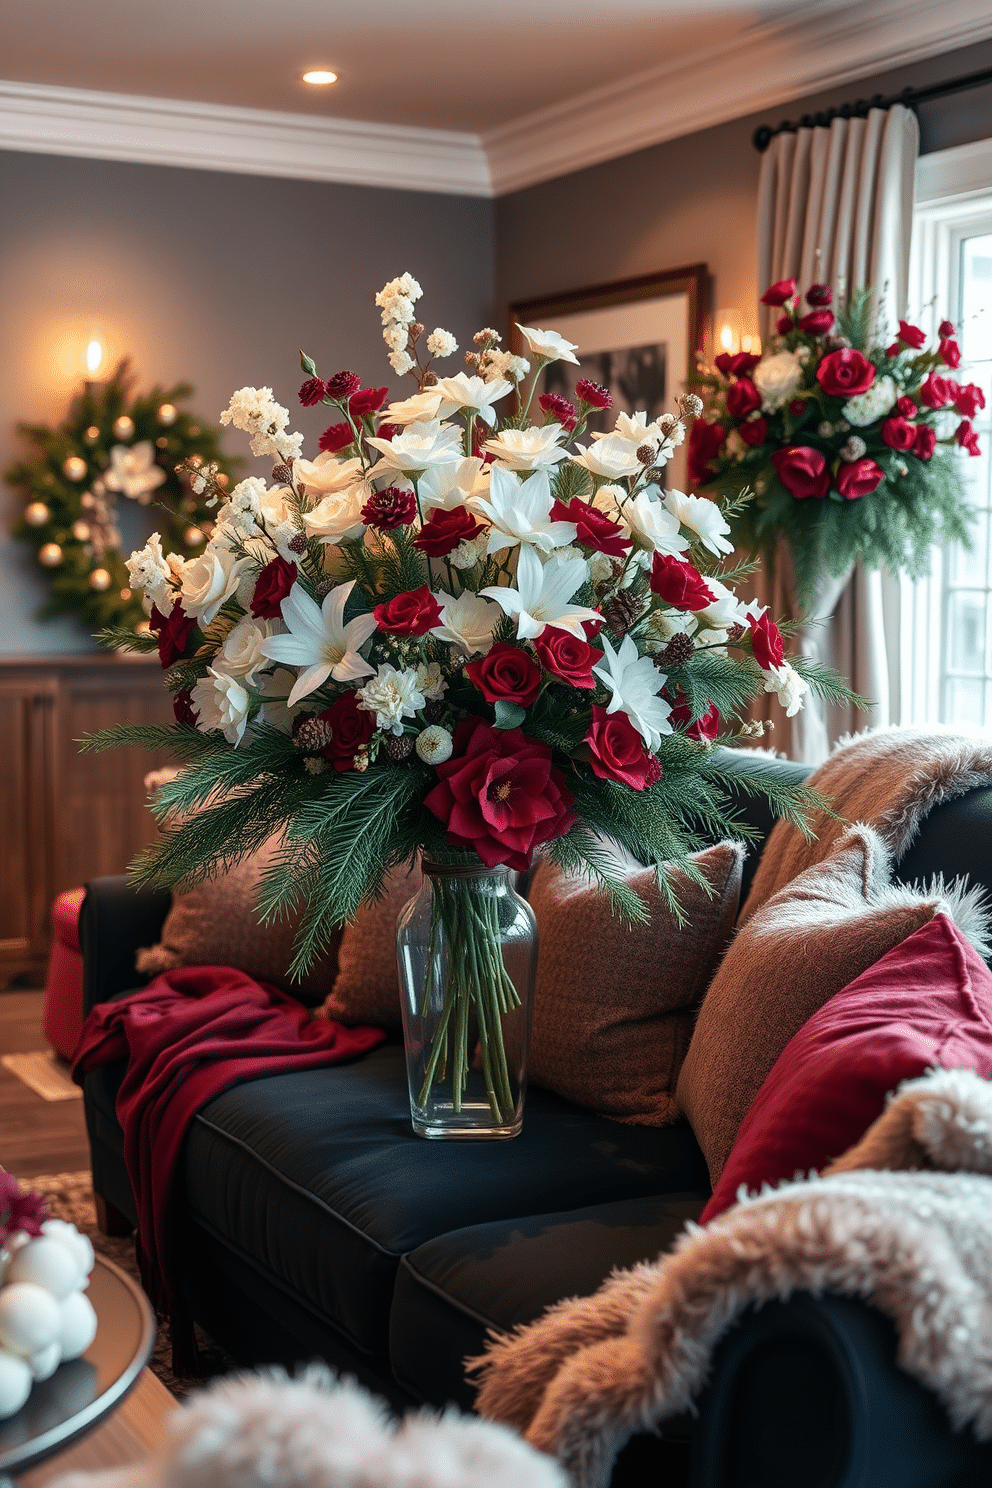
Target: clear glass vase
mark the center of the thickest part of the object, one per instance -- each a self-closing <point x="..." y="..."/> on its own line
<point x="467" y="949"/>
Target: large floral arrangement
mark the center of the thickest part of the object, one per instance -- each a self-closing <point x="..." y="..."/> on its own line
<point x="453" y="632"/>
<point x="849" y="445"/>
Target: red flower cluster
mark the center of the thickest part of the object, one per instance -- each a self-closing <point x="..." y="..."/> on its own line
<point x="271" y="588"/>
<point x="341" y="386"/>
<point x="704" y="445"/>
<point x="617" y="752"/>
<point x="559" y="410"/>
<point x="444" y="530"/>
<point x="19" y="1210"/>
<point x="594" y="528"/>
<point x="173" y="631"/>
<point x="593" y="394"/>
<point x="336" y="438"/>
<point x="391" y="507"/>
<point x="351" y="728"/>
<point x="312" y="391"/>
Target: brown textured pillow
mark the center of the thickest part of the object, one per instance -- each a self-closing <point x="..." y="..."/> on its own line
<point x="367" y="988"/>
<point x="216" y="924"/>
<point x="614" y="1002"/>
<point x="811" y="938"/>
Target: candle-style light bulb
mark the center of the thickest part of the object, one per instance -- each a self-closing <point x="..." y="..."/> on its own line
<point x="94" y="356"/>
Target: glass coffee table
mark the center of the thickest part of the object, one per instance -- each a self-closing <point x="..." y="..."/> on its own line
<point x="83" y="1392"/>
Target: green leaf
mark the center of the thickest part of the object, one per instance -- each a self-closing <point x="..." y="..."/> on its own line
<point x="509" y="715"/>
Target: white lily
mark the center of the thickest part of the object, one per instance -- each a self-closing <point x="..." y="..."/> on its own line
<point x="550" y="345"/>
<point x="701" y="516"/>
<point x="450" y="486"/>
<point x="320" y="641"/>
<point x="520" y="512"/>
<point x="635" y="683"/>
<point x="527" y="449"/>
<point x="653" y="527"/>
<point x="467" y="622"/>
<point x="542" y="594"/>
<point x="421" y="408"/>
<point x="726" y="609"/>
<point x="612" y="456"/>
<point x="462" y="391"/>
<point x="417" y="447"/>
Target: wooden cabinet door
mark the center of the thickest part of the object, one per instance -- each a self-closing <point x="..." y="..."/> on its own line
<point x="27" y="754"/>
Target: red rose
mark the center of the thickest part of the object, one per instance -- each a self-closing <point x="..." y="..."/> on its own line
<point x="336" y="438"/>
<point x="271" y="588"/>
<point x="969" y="400"/>
<point x="444" y="530"/>
<point x="785" y="325"/>
<point x="949" y="353"/>
<point x="506" y="674"/>
<point x="819" y="294"/>
<point x="679" y="584"/>
<point x="754" y="432"/>
<point x="898" y="433"/>
<point x="391" y="507"/>
<point x="859" y="478"/>
<point x="766" y="641"/>
<point x="594" y="528"/>
<point x="742" y="398"/>
<point x="797" y="407"/>
<point x="618" y="751"/>
<point x="744" y="363"/>
<point x="566" y="656"/>
<point x="706" y="727"/>
<point x="592" y="393"/>
<point x="845" y="373"/>
<point x="802" y="471"/>
<point x="911" y="335"/>
<point x="367" y="400"/>
<point x="935" y="392"/>
<point x="182" y="707"/>
<point x="945" y="329"/>
<point x="925" y="443"/>
<point x="414" y="612"/>
<point x="705" y="444"/>
<point x="777" y="294"/>
<point x="817" y="322"/>
<point x="906" y="407"/>
<point x="723" y="363"/>
<point x="967" y="438"/>
<point x="351" y="727"/>
<point x="173" y="631"/>
<point x="312" y="391"/>
<point x="500" y="794"/>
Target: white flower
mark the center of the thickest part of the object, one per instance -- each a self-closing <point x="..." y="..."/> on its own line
<point x="338" y="518"/>
<point x="401" y="362"/>
<point x="403" y="288"/>
<point x="496" y="364"/>
<point x="776" y="378"/>
<point x="470" y="551"/>
<point x="520" y="512"/>
<point x="854" y="448"/>
<point x="635" y="428"/>
<point x="462" y="391"/>
<point x="320" y="641"/>
<point x="148" y="569"/>
<point x="661" y="625"/>
<point x="209" y="581"/>
<point x="542" y="594"/>
<point x="241" y="654"/>
<point x="419" y="409"/>
<point x="441" y="343"/>
<point x="466" y="622"/>
<point x="274" y="688"/>
<point x="702" y="517"/>
<point x="527" y="449"/>
<point x="549" y="345"/>
<point x="429" y="680"/>
<point x="417" y="447"/>
<point x="790" y="688"/>
<point x="612" y="457"/>
<point x="874" y="403"/>
<point x="653" y="527"/>
<point x="327" y="473"/>
<point x="434" y="745"/>
<point x="725" y="610"/>
<point x="635" y="683"/>
<point x="221" y="703"/>
<point x="392" y="696"/>
<point x="255" y="411"/>
<point x="245" y="506"/>
<point x="133" y="471"/>
<point x="396" y="336"/>
<point x="452" y="485"/>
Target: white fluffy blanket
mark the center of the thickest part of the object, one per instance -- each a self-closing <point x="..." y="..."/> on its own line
<point x="914" y="1241"/>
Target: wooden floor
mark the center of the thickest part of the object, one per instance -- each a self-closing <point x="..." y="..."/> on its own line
<point x="36" y="1136"/>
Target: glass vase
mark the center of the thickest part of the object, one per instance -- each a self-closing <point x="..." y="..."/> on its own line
<point x="467" y="948"/>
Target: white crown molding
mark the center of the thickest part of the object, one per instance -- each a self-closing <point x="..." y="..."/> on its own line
<point x="945" y="175"/>
<point x="165" y="131"/>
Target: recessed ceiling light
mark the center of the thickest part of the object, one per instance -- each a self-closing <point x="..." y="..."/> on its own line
<point x="319" y="77"/>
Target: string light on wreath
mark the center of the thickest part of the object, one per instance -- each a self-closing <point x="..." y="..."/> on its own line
<point x="112" y="449"/>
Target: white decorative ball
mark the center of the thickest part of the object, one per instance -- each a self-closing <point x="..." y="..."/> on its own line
<point x="78" y="1328"/>
<point x="47" y="1263"/>
<point x="166" y="414"/>
<point x="434" y="745"/>
<point x="67" y="1234"/>
<point x="29" y="1318"/>
<point x="15" y="1384"/>
<point x="123" y="427"/>
<point x="99" y="580"/>
<point x="75" y="468"/>
<point x="50" y="555"/>
<point x="36" y="514"/>
<point x="44" y="1363"/>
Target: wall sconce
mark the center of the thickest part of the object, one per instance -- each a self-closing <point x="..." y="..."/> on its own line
<point x="730" y="335"/>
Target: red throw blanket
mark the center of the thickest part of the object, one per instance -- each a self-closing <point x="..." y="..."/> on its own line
<point x="189" y="1035"/>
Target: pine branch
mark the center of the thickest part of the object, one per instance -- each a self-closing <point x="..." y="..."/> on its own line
<point x="827" y="684"/>
<point x="182" y="739"/>
<point x="122" y="638"/>
<point x="582" y="851"/>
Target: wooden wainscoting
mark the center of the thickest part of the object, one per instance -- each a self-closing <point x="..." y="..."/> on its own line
<point x="65" y="816"/>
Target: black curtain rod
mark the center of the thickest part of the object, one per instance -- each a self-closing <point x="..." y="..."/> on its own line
<point x="911" y="97"/>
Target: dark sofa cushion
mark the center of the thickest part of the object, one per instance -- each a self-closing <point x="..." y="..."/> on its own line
<point x="318" y="1180"/>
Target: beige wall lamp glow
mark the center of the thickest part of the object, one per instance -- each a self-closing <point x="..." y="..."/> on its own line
<point x="320" y="77"/>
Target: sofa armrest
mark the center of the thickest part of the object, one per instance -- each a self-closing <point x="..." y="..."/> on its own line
<point x="116" y="920"/>
<point x="808" y="1391"/>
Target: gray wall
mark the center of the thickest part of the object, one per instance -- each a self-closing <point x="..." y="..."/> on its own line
<point x="206" y="277"/>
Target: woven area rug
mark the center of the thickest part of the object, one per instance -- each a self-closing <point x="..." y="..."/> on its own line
<point x="70" y="1196"/>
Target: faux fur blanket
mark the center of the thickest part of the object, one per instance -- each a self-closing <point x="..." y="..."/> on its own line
<point x="595" y="1370"/>
<point x="890" y="778"/>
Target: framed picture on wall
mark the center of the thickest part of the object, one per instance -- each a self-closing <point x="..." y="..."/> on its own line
<point x="638" y="337"/>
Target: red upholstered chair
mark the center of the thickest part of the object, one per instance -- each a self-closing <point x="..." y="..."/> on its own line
<point x="62" y="1019"/>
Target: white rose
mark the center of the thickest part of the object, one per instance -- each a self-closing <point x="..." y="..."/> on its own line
<point x="777" y="378"/>
<point x="653" y="527"/>
<point x="221" y="703"/>
<point x="339" y="516"/>
<point x="327" y="473"/>
<point x="208" y="581"/>
<point x="241" y="654"/>
<point x="789" y="687"/>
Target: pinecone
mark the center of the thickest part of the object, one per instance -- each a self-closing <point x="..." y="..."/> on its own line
<point x="434" y="710"/>
<point x="283" y="474"/>
<point x="324" y="587"/>
<point x="621" y="611"/>
<point x="297" y="544"/>
<point x="678" y="650"/>
<point x="399" y="746"/>
<point x="736" y="633"/>
<point x="310" y="733"/>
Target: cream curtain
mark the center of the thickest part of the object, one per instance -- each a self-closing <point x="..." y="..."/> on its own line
<point x="836" y="206"/>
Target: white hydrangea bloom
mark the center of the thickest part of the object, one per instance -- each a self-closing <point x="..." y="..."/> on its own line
<point x="401" y="362"/>
<point x="392" y="696"/>
<point x="441" y="343"/>
<point x="221" y="703"/>
<point x="777" y="377"/>
<point x="148" y="569"/>
<point x="874" y="403"/>
<point x="789" y="687"/>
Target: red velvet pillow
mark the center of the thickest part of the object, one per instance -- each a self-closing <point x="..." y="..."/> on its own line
<point x="926" y="1003"/>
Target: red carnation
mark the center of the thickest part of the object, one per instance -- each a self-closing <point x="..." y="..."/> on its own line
<point x="592" y="393"/>
<point x="785" y="325"/>
<point x="950" y="354"/>
<point x="271" y="588"/>
<point x="444" y="530"/>
<point x="819" y="294"/>
<point x="342" y="385"/>
<point x="777" y="294"/>
<point x="755" y="431"/>
<point x="911" y="335"/>
<point x="945" y="329"/>
<point x="173" y="631"/>
<point x="559" y="410"/>
<point x="935" y="391"/>
<point x="817" y="322"/>
<point x="967" y="437"/>
<point x="618" y="751"/>
<point x="506" y="673"/>
<point x="336" y="438"/>
<point x="743" y="398"/>
<point x="802" y="471"/>
<point x="705" y="443"/>
<point x="906" y="407"/>
<point x="414" y="612"/>
<point x="567" y="656"/>
<point x="594" y="528"/>
<point x="367" y="400"/>
<point x="845" y="373"/>
<point x="312" y="391"/>
<point x="391" y="507"/>
<point x="500" y="795"/>
<point x="351" y="727"/>
<point x="969" y="400"/>
<point x="387" y="431"/>
<point x="766" y="641"/>
<point x="19" y="1210"/>
<point x="898" y="433"/>
<point x="182" y="707"/>
<point x="925" y="442"/>
<point x="679" y="584"/>
<point x="859" y="478"/>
